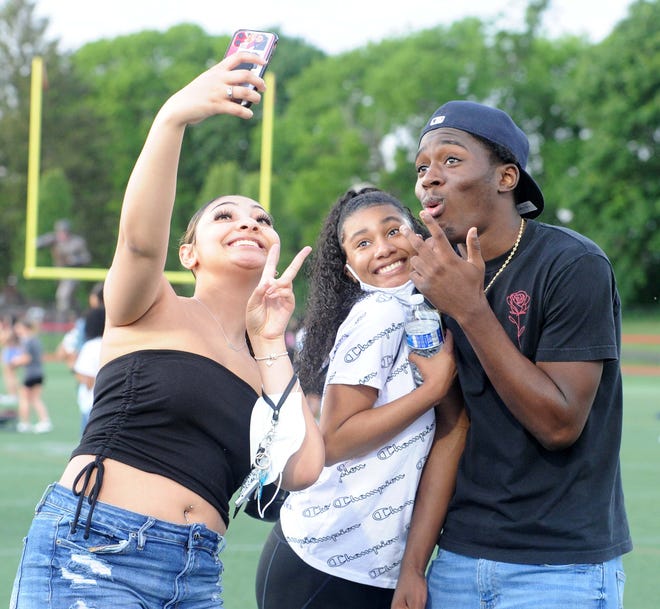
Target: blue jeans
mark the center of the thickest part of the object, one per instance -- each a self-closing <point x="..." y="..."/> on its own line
<point x="129" y="561"/>
<point x="474" y="583"/>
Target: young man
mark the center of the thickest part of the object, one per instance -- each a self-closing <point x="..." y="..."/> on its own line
<point x="537" y="518"/>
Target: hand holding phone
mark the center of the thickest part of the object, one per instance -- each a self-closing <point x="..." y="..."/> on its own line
<point x="253" y="41"/>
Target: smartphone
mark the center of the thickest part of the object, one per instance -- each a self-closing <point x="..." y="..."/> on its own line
<point x="260" y="43"/>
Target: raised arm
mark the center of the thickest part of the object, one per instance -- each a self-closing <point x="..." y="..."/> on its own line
<point x="136" y="274"/>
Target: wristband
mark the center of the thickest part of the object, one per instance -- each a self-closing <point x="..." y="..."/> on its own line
<point x="270" y="358"/>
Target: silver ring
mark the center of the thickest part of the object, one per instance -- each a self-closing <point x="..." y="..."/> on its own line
<point x="230" y="92"/>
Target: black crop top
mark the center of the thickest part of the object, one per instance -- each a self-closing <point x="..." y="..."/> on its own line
<point x="172" y="413"/>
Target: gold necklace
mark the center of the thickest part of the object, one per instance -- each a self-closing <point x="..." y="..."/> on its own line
<point x="217" y="321"/>
<point x="513" y="251"/>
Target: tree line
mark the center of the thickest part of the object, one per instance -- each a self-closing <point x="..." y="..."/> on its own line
<point x="591" y="110"/>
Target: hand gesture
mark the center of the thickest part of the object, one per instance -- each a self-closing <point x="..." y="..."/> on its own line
<point x="214" y="91"/>
<point x="272" y="303"/>
<point x="451" y="282"/>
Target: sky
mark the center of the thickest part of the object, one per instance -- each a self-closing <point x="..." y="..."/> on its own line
<point x="334" y="27"/>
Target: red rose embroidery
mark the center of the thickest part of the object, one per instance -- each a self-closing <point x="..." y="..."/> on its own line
<point x="518" y="306"/>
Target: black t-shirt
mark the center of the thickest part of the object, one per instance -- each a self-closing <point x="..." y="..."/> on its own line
<point x="516" y="501"/>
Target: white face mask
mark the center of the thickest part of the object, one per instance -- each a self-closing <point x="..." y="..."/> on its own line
<point x="400" y="292"/>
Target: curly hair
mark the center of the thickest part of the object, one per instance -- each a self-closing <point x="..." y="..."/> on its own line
<point x="331" y="293"/>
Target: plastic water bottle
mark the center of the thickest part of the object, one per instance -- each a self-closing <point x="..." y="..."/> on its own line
<point x="423" y="331"/>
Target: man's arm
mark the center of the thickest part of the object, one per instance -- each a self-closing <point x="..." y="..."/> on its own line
<point x="552" y="400"/>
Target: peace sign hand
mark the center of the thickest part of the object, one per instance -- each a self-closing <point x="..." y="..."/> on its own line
<point x="272" y="303"/>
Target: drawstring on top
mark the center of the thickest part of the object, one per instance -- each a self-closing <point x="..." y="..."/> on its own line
<point x="98" y="466"/>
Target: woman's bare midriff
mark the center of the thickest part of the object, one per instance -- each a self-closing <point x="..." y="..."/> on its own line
<point x="149" y="494"/>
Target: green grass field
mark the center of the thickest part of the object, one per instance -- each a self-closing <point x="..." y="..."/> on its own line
<point x="30" y="462"/>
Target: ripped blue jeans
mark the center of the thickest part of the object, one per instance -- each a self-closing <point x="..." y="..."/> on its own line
<point x="128" y="561"/>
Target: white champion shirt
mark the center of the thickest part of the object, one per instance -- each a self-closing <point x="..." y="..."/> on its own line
<point x="353" y="522"/>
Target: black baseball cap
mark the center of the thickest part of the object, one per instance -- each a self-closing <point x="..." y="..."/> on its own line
<point x="498" y="127"/>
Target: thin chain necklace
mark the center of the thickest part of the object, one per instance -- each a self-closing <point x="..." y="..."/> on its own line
<point x="511" y="255"/>
<point x="217" y="321"/>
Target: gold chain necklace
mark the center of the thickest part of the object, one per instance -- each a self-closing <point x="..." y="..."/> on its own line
<point x="511" y="255"/>
<point x="217" y="321"/>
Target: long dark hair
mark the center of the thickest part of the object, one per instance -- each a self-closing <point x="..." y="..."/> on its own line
<point x="331" y="292"/>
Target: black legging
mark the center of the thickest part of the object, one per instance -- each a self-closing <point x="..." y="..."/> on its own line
<point x="284" y="581"/>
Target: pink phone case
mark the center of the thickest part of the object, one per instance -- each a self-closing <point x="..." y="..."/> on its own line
<point x="254" y="41"/>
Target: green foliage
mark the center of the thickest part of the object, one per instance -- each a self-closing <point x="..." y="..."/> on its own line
<point x="129" y="78"/>
<point x="21" y="38"/>
<point x="221" y="178"/>
<point x="55" y="197"/>
<point x="612" y="186"/>
<point x="590" y="110"/>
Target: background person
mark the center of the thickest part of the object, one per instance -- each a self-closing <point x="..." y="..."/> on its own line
<point x="68" y="250"/>
<point x="88" y="362"/>
<point x="30" y="397"/>
<point x="72" y="341"/>
<point x="11" y="347"/>
<point x="339" y="542"/>
<point x="145" y="496"/>
<point x="87" y="328"/>
<point x="538" y="517"/>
